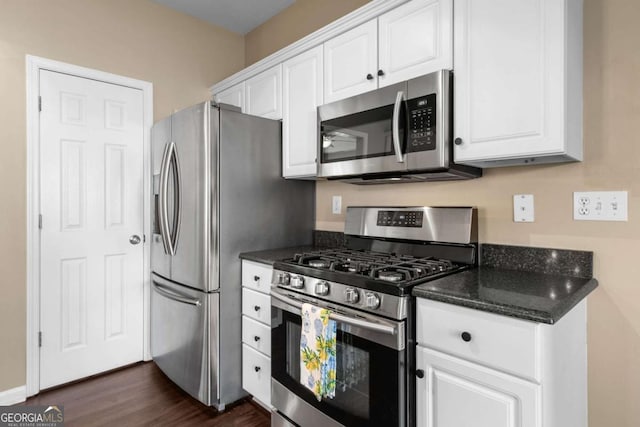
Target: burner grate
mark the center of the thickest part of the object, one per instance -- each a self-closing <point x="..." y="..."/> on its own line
<point x="388" y="267"/>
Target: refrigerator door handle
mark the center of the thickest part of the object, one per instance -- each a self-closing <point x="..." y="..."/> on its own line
<point x="173" y="295"/>
<point x="177" y="197"/>
<point x="162" y="200"/>
<point x="170" y="234"/>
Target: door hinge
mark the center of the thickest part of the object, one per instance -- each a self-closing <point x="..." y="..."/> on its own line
<point x="39" y="339"/>
<point x="144" y="238"/>
<point x="40" y="221"/>
<point x="39" y="103"/>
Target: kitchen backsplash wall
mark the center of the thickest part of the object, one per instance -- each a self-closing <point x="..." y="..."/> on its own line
<point x="179" y="54"/>
<point x="612" y="162"/>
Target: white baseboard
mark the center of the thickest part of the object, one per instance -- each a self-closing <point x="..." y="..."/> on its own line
<point x="13" y="396"/>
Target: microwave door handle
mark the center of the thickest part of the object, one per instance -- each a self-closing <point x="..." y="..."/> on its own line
<point x="396" y="127"/>
<point x="365" y="324"/>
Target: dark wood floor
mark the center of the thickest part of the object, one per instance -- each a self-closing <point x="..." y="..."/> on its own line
<point x="140" y="395"/>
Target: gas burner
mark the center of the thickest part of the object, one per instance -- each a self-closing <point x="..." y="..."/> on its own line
<point x="319" y="263"/>
<point x="390" y="276"/>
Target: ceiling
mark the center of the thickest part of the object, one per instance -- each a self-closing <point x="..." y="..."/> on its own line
<point x="239" y="16"/>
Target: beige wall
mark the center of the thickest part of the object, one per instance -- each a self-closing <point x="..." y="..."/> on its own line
<point x="293" y="23"/>
<point x="135" y="38"/>
<point x="612" y="162"/>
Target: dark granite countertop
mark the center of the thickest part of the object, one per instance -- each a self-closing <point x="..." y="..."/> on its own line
<point x="539" y="297"/>
<point x="269" y="256"/>
<point x="321" y="240"/>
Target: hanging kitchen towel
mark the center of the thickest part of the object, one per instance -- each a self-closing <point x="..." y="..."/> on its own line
<point x="318" y="352"/>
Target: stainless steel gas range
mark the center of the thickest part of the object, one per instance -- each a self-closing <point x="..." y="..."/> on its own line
<point x="367" y="286"/>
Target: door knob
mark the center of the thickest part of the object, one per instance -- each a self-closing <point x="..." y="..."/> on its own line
<point x="135" y="239"/>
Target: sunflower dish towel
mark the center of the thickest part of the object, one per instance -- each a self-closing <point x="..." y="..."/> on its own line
<point x="318" y="352"/>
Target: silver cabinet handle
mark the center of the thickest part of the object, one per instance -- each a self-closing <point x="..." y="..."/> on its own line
<point x="396" y="127"/>
<point x="172" y="295"/>
<point x="135" y="239"/>
<point x="378" y="327"/>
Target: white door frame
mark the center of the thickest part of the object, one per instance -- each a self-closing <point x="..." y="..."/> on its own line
<point x="33" y="66"/>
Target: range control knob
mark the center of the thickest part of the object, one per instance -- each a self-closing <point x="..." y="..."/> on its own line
<point x="321" y="288"/>
<point x="371" y="300"/>
<point x="351" y="295"/>
<point x="283" y="279"/>
<point x="297" y="282"/>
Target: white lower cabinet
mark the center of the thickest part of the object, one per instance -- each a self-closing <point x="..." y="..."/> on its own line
<point x="256" y="331"/>
<point x="256" y="374"/>
<point x="456" y="393"/>
<point x="478" y="369"/>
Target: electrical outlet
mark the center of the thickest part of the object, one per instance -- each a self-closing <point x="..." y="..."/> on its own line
<point x="523" y="208"/>
<point x="600" y="206"/>
<point x="336" y="205"/>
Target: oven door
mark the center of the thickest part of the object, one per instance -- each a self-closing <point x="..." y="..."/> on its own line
<point x="364" y="134"/>
<point x="370" y="372"/>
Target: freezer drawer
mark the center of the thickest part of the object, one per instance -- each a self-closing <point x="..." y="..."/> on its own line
<point x="184" y="337"/>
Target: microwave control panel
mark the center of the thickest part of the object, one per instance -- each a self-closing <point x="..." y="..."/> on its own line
<point x="422" y="123"/>
<point x="400" y="218"/>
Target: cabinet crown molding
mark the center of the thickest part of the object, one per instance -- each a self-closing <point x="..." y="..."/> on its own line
<point x="359" y="16"/>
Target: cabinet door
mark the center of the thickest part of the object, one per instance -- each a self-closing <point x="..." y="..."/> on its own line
<point x="263" y="94"/>
<point x="233" y="96"/>
<point x="415" y="39"/>
<point x="456" y="393"/>
<point x="256" y="374"/>
<point x="302" y="94"/>
<point x="348" y="60"/>
<point x="510" y="81"/>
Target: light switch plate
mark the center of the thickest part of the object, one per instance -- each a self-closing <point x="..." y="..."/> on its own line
<point x="600" y="206"/>
<point x="523" y="208"/>
<point x="336" y="205"/>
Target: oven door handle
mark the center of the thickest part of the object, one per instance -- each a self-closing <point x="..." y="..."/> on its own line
<point x="365" y="324"/>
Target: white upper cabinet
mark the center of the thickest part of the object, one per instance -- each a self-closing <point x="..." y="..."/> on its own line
<point x="518" y="81"/>
<point x="415" y="39"/>
<point x="351" y="61"/>
<point x="233" y="96"/>
<point x="263" y="94"/>
<point x="406" y="42"/>
<point x="301" y="95"/>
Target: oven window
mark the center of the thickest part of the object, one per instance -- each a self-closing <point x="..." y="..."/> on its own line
<point x="369" y="376"/>
<point x="352" y="372"/>
<point x="359" y="136"/>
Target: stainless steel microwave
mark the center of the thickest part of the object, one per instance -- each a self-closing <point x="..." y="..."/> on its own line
<point x="398" y="133"/>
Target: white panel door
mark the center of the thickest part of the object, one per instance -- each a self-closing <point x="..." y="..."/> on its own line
<point x="232" y="96"/>
<point x="415" y="39"/>
<point x="456" y="393"/>
<point x="301" y="95"/>
<point x="263" y="94"/>
<point x="351" y="62"/>
<point x="91" y="284"/>
<point x="509" y="80"/>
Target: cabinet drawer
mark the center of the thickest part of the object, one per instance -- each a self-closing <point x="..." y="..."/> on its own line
<point x="256" y="335"/>
<point x="256" y="276"/>
<point x="256" y="374"/>
<point x="503" y="343"/>
<point x="257" y="306"/>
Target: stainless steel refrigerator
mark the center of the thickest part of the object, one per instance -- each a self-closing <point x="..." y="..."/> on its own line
<point x="217" y="192"/>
